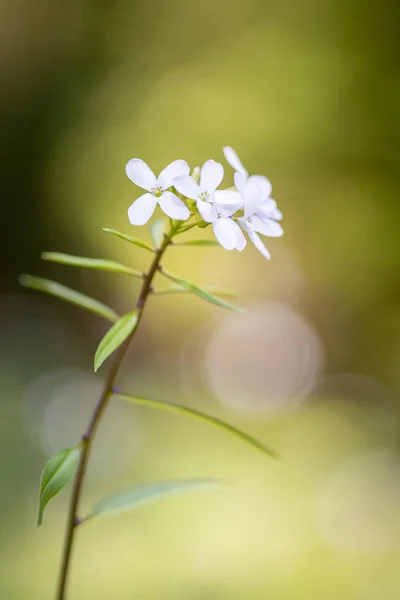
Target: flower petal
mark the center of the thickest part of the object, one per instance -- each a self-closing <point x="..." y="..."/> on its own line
<point x="227" y="202"/>
<point x="212" y="173"/>
<point x="266" y="226"/>
<point x="254" y="238"/>
<point x="240" y="240"/>
<point x="233" y="160"/>
<point x="187" y="186"/>
<point x="175" y="169"/>
<point x="270" y="210"/>
<point x="207" y="211"/>
<point x="141" y="174"/>
<point x="173" y="206"/>
<point x="240" y="181"/>
<point x="252" y="198"/>
<point x="228" y="234"/>
<point x="276" y="214"/>
<point x="142" y="209"/>
<point x="263" y="183"/>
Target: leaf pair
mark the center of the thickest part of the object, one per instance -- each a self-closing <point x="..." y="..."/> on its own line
<point x="61" y="468"/>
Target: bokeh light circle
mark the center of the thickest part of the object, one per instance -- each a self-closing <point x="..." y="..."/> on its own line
<point x="264" y="360"/>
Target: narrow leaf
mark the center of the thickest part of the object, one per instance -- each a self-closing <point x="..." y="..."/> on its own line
<point x="115" y="337"/>
<point x="90" y="263"/>
<point x="64" y="293"/>
<point x="147" y="494"/>
<point x="197" y="243"/>
<point x="157" y="230"/>
<point x="207" y="296"/>
<point x="185" y="411"/>
<point x="129" y="238"/>
<point x="56" y="473"/>
<point x="178" y="289"/>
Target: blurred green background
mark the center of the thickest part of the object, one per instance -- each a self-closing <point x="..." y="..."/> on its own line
<point x="308" y="94"/>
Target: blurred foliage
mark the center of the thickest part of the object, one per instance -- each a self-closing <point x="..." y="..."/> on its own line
<point x="308" y="93"/>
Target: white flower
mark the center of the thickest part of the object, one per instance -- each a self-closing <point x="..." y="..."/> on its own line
<point x="215" y="206"/>
<point x="241" y="175"/>
<point x="257" y="216"/>
<point x="142" y="209"/>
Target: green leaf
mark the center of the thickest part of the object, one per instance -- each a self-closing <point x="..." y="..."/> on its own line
<point x="115" y="337"/>
<point x="197" y="243"/>
<point x="64" y="293"/>
<point x="157" y="230"/>
<point x="129" y="238"/>
<point x="90" y="263"/>
<point x="56" y="473"/>
<point x="147" y="494"/>
<point x="185" y="411"/>
<point x="207" y="296"/>
<point x="178" y="289"/>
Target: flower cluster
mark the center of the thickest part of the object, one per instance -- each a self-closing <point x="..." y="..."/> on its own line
<point x="246" y="207"/>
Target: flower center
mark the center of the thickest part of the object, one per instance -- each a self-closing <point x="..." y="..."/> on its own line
<point x="205" y="196"/>
<point x="157" y="192"/>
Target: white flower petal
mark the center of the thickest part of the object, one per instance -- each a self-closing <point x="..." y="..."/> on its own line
<point x="212" y="173"/>
<point x="227" y="202"/>
<point x="263" y="183"/>
<point x="240" y="181"/>
<point x="187" y="186"/>
<point x="254" y="238"/>
<point x="271" y="203"/>
<point x="228" y="234"/>
<point x="176" y="169"/>
<point x="266" y="226"/>
<point x="240" y="239"/>
<point x="259" y="245"/>
<point x="142" y="209"/>
<point x="252" y="198"/>
<point x="207" y="211"/>
<point x="141" y="174"/>
<point x="276" y="214"/>
<point x="173" y="206"/>
<point x="233" y="160"/>
<point x="269" y="209"/>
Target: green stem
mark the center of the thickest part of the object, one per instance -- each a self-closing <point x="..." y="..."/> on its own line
<point x="87" y="438"/>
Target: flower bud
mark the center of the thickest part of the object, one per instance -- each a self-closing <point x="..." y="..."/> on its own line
<point x="196" y="174"/>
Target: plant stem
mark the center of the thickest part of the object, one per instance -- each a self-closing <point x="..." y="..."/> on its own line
<point x="87" y="438"/>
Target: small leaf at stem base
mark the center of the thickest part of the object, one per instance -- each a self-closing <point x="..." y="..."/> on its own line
<point x="56" y="473"/>
<point x="115" y="336"/>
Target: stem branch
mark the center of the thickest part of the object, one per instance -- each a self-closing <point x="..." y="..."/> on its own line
<point x="87" y="438"/>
